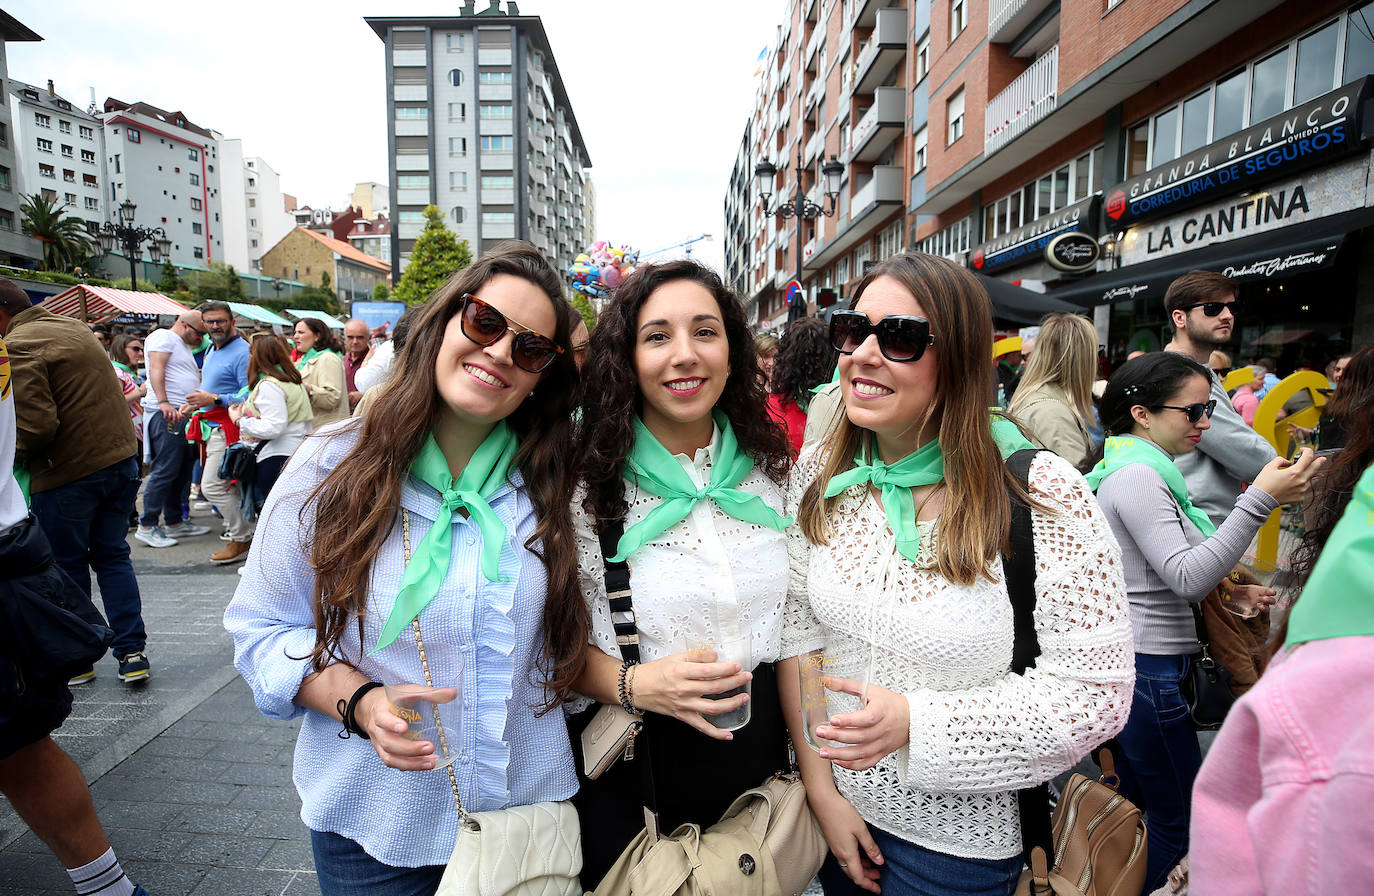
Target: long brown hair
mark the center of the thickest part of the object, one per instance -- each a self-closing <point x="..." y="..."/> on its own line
<point x="975" y="524"/>
<point x="1355" y="392"/>
<point x="351" y="523"/>
<point x="609" y="408"/>
<point x="270" y="356"/>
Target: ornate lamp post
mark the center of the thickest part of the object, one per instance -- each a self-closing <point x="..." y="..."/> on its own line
<point x="126" y="236"/>
<point x="799" y="206"/>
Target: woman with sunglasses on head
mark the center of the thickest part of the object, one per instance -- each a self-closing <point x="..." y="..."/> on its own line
<point x="429" y="540"/>
<point x="322" y="371"/>
<point x="1155" y="409"/>
<point x="902" y="514"/>
<point x="677" y="445"/>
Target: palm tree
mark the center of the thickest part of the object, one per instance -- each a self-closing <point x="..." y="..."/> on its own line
<point x="65" y="239"/>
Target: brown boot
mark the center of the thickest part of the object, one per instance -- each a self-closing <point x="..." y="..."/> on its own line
<point x="232" y="552"/>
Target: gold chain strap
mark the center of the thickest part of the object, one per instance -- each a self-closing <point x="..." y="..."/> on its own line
<point x="429" y="680"/>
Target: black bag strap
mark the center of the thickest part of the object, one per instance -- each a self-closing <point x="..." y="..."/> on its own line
<point x="1018" y="568"/>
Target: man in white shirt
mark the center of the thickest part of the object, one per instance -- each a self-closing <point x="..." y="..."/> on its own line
<point x="172" y="375"/>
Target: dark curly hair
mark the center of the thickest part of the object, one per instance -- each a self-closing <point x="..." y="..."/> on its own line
<point x="805" y="360"/>
<point x="609" y="409"/>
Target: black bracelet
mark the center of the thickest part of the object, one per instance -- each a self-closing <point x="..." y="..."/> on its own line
<point x="347" y="710"/>
<point x="626" y="702"/>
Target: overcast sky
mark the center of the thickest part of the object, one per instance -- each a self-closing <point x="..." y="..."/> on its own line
<point x="661" y="90"/>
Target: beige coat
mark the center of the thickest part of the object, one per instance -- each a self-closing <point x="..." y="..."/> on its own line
<point x="1051" y="422"/>
<point x="323" y="378"/>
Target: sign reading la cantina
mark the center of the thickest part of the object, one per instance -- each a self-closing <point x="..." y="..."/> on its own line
<point x="1310" y="134"/>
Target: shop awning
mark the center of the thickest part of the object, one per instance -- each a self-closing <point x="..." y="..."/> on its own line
<point x="1013" y="304"/>
<point x="329" y="321"/>
<point x="258" y="313"/>
<point x="98" y="304"/>
<point x="1267" y="257"/>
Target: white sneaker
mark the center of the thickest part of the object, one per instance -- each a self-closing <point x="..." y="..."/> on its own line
<point x="154" y="537"/>
<point x="200" y="505"/>
<point x="185" y="529"/>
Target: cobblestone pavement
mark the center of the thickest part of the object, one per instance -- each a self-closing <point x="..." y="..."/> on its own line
<point x="192" y="784"/>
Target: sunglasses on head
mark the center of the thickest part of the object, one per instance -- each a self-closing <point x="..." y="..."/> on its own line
<point x="901" y="337"/>
<point x="483" y="324"/>
<point x="1195" y="412"/>
<point x="1214" y="309"/>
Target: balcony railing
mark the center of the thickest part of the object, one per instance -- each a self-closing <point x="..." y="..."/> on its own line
<point x="813" y="146"/>
<point x="1033" y="95"/>
<point x="887" y="114"/>
<point x="1006" y="18"/>
<point x="884" y="186"/>
<point x="882" y="51"/>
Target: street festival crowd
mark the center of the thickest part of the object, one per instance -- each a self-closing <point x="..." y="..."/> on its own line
<point x="672" y="608"/>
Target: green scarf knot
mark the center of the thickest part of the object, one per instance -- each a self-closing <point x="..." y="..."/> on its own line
<point x="429" y="564"/>
<point x="312" y="355"/>
<point x="652" y="468"/>
<point x="1121" y="451"/>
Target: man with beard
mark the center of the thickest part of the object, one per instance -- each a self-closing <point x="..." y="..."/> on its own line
<point x="1202" y="311"/>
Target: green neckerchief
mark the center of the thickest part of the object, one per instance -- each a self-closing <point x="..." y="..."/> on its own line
<point x="429" y="562"/>
<point x="125" y="368"/>
<point x="1336" y="602"/>
<point x="312" y="355"/>
<point x="816" y="390"/>
<point x="657" y="472"/>
<point x="1122" y="450"/>
<point x="924" y="466"/>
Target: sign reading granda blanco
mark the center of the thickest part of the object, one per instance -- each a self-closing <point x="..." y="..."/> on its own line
<point x="1316" y="132"/>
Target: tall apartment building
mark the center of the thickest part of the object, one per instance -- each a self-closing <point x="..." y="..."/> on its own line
<point x="480" y="125"/>
<point x="169" y="167"/>
<point x="16" y="249"/>
<point x="1165" y="136"/>
<point x="59" y="151"/>
<point x="252" y="207"/>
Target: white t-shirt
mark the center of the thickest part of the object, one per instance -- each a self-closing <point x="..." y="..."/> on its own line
<point x="182" y="376"/>
<point x="13" y="510"/>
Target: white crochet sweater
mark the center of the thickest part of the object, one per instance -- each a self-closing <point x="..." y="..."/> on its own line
<point x="978" y="732"/>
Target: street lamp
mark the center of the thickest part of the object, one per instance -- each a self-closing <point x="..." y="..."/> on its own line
<point x="799" y="206"/>
<point x="131" y="239"/>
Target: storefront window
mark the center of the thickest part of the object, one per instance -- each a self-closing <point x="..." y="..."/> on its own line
<point x="1230" y="105"/>
<point x="1061" y="187"/>
<point x="1195" y="122"/>
<point x="1082" y="175"/>
<point x="1166" y="137"/>
<point x="1138" y="149"/>
<point x="1315" y="68"/>
<point x="1267" y="93"/>
<point x="1359" y="43"/>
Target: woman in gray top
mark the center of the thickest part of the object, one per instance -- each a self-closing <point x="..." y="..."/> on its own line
<point x="1156" y="408"/>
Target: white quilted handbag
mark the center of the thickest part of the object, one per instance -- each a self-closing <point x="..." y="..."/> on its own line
<point x="523" y="851"/>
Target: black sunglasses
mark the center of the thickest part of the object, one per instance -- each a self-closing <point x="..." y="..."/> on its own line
<point x="530" y="350"/>
<point x="1214" y="309"/>
<point x="1195" y="412"/>
<point x="901" y="337"/>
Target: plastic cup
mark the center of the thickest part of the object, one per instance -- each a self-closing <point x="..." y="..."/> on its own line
<point x="812" y="668"/>
<point x="730" y="650"/>
<point x="431" y="714"/>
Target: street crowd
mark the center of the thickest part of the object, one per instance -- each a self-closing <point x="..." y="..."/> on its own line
<point x="519" y="581"/>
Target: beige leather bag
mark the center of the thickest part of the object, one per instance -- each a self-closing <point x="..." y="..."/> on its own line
<point x="768" y="843"/>
<point x="1099" y="842"/>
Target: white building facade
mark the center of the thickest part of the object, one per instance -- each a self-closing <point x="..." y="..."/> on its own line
<point x="59" y="151"/>
<point x="253" y="208"/>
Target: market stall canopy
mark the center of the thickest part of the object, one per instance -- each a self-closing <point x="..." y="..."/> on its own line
<point x="100" y="304"/>
<point x="329" y="320"/>
<point x="258" y="313"/>
<point x="1013" y="304"/>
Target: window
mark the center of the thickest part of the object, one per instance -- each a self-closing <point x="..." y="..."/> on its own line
<point x="88" y="155"/>
<point x="255" y="243"/>
<point x="66" y="151"/>
<point x="492" y="143"/>
<point x="455" y="77"/>
<point x="69" y="198"/>
<point x="458" y="180"/>
<point x="495" y="111"/>
<point x="411" y="216"/>
<point x="497" y="218"/>
<point x="89" y="180"/>
<point x="498" y="182"/>
<point x="457" y="214"/>
<point x="890" y="240"/>
<point x="252" y="222"/>
<point x="43" y="121"/>
<point x="198" y="252"/>
<point x="6" y="220"/>
<point x="454" y="42"/>
<point x="134" y="135"/>
<point x="919" y="159"/>
<point x="958" y="18"/>
<point x="491" y="77"/>
<point x="457" y="146"/>
<point x="457" y="111"/>
<point x="952" y="239"/>
<point x="47" y="171"/>
<point x="92" y="204"/>
<point x="64" y="127"/>
<point x="4" y="178"/>
<point x="87" y="133"/>
<point x="1359" y="43"/>
<point x="1268" y="85"/>
<point x="50" y="195"/>
<point x="412" y="181"/>
<point x="1067" y="184"/>
<point x="195" y="205"/>
<point x="193" y="154"/>
<point x="922" y="58"/>
<point x="954" y="114"/>
<point x="195" y="180"/>
<point x="1315" y="75"/>
<point x="252" y="182"/>
<point x="69" y="175"/>
<point x="412" y="110"/>
<point x="196" y="227"/>
<point x="4" y="134"/>
<point x="44" y="145"/>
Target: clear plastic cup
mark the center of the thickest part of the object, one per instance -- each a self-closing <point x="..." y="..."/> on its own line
<point x="812" y="669"/>
<point x="432" y="714"/>
<point x="730" y="650"/>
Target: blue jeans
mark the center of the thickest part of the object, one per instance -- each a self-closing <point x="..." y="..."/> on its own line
<point x="169" y="473"/>
<point x="1160" y="759"/>
<point x="345" y="869"/>
<point x="87" y="523"/>
<point x="911" y="870"/>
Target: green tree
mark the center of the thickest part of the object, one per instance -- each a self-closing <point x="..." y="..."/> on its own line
<point x="169" y="282"/>
<point x="380" y="293"/>
<point x="66" y="242"/>
<point x="436" y="255"/>
<point x="585" y="309"/>
<point x="220" y="283"/>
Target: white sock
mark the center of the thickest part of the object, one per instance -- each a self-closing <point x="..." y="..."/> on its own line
<point x="103" y="876"/>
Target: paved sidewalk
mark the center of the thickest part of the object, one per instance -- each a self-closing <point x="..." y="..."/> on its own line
<point x="192" y="784"/>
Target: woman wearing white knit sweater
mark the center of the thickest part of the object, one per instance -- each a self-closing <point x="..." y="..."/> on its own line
<point x="901" y="516"/>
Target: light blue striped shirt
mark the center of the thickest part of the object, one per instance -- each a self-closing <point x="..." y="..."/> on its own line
<point x="509" y="756"/>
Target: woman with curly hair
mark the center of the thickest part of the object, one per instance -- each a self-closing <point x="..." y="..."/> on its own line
<point x="804" y="361"/>
<point x="444" y="509"/>
<point x="678" y="450"/>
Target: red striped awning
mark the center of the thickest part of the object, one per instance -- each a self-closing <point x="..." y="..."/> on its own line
<point x="103" y="303"/>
